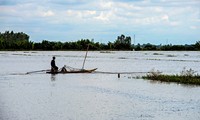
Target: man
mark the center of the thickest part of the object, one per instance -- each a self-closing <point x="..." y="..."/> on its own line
<point x="54" y="68"/>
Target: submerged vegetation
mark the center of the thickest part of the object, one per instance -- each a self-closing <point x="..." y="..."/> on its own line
<point x="185" y="77"/>
<point x="20" y="41"/>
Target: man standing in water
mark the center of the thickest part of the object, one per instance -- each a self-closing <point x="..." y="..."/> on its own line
<point x="54" y="68"/>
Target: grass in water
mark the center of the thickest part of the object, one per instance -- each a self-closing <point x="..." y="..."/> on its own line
<point x="185" y="77"/>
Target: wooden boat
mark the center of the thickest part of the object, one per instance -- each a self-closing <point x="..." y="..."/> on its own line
<point x="75" y="71"/>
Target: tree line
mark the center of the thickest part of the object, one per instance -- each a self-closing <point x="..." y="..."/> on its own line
<point x="169" y="47"/>
<point x="20" y="41"/>
<point x="14" y="41"/>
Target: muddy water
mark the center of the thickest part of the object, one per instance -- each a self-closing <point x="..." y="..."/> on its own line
<point x="41" y="96"/>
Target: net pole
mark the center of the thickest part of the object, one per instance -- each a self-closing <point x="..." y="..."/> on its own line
<point x="85" y="56"/>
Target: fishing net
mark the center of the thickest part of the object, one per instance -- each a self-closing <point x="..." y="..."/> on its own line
<point x="68" y="68"/>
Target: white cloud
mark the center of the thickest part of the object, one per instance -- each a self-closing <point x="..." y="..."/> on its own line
<point x="48" y="13"/>
<point x="158" y="9"/>
<point x="103" y="17"/>
<point x="105" y="5"/>
<point x="174" y="23"/>
<point x="112" y="15"/>
<point x="165" y="18"/>
<point x="194" y="27"/>
<point x="81" y="14"/>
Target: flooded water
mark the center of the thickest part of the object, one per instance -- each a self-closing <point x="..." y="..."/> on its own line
<point x="96" y="96"/>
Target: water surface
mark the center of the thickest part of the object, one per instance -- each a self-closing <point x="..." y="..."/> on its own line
<point x="96" y="96"/>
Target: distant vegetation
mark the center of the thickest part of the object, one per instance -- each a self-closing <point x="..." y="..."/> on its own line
<point x="185" y="77"/>
<point x="14" y="41"/>
<point x="20" y="41"/>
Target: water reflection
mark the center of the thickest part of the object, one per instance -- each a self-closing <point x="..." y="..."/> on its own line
<point x="53" y="77"/>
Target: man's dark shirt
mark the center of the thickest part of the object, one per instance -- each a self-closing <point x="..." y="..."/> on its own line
<point x="53" y="64"/>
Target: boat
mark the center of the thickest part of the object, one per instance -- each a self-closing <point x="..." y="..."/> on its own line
<point x="68" y="69"/>
<point x="72" y="71"/>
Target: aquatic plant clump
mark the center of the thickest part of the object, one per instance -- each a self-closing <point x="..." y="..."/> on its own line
<point x="186" y="77"/>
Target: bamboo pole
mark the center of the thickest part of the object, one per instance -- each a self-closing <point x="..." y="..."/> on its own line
<point x="36" y="71"/>
<point x="85" y="57"/>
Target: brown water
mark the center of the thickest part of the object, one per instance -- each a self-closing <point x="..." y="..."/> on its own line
<point x="96" y="96"/>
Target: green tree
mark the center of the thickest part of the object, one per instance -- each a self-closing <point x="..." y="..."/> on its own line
<point x="149" y="46"/>
<point x="11" y="40"/>
<point x="123" y="43"/>
<point x="138" y="47"/>
<point x="197" y="45"/>
<point x="110" y="45"/>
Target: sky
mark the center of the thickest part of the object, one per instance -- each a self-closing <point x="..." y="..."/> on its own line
<point x="150" y="21"/>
